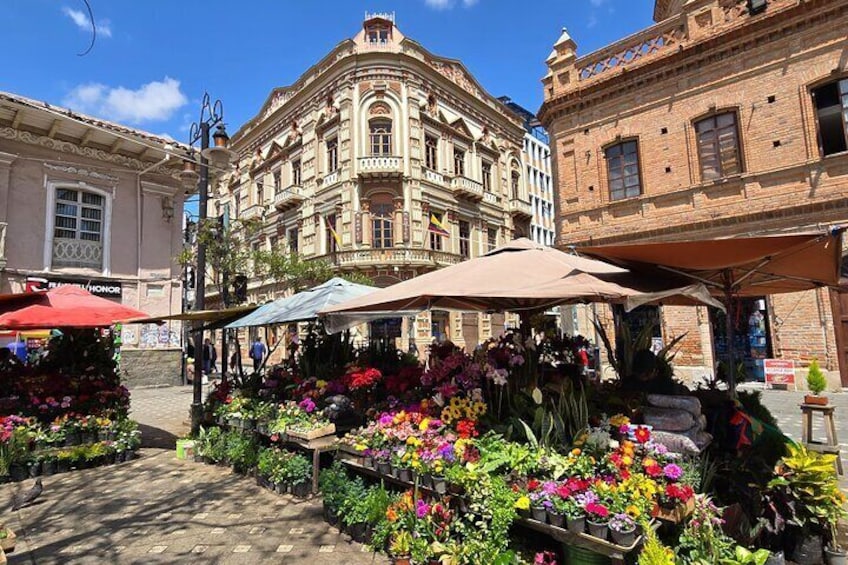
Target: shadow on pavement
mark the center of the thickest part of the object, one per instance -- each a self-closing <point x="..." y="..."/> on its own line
<point x="156" y="437"/>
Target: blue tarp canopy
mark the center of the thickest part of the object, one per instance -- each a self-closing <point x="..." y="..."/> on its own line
<point x="304" y="305"/>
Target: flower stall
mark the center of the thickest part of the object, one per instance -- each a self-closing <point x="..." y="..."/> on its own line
<point x="66" y="411"/>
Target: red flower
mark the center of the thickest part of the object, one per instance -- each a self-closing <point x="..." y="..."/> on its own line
<point x="642" y="434"/>
<point x="532" y="485"/>
<point x="466" y="429"/>
<point x="597" y="509"/>
<point x="653" y="470"/>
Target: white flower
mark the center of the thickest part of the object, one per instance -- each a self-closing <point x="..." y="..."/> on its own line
<point x="537" y="395"/>
<point x="477" y="395"/>
<point x="439" y="399"/>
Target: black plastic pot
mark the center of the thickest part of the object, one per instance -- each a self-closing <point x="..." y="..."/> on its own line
<point x="48" y="467"/>
<point x="357" y="531"/>
<point x="624" y="539"/>
<point x="18" y="472"/>
<point x="63" y="466"/>
<point x="301" y="490"/>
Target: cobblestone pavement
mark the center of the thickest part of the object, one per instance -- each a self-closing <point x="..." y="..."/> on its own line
<point x="158" y="509"/>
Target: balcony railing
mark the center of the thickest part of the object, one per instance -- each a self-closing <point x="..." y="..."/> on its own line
<point x="380" y="166"/>
<point x="434" y="177"/>
<point x="642" y="45"/>
<point x="3" y="226"/>
<point x="288" y="197"/>
<point x="391" y="257"/>
<point x="330" y="179"/>
<point x="255" y="212"/>
<point x="518" y="207"/>
<point x="465" y="187"/>
<point x="77" y="253"/>
<point x="491" y="198"/>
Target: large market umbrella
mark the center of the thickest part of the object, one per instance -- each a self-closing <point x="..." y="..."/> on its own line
<point x="304" y="305"/>
<point x="740" y="267"/>
<point x="65" y="307"/>
<point x="521" y="276"/>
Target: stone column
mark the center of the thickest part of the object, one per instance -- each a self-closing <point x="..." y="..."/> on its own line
<point x="365" y="206"/>
<point x="397" y="221"/>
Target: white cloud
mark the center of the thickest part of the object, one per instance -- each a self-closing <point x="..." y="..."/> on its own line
<point x="448" y="4"/>
<point x="81" y="20"/>
<point x="152" y="102"/>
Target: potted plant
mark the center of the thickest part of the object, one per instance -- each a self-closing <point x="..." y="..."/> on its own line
<point x="834" y="554"/>
<point x="575" y="517"/>
<point x="539" y="506"/>
<point x="299" y="473"/>
<point x="623" y="530"/>
<point x="817" y="383"/>
<point x="400" y="548"/>
<point x="597" y="520"/>
<point x="556" y="513"/>
<point x="48" y="464"/>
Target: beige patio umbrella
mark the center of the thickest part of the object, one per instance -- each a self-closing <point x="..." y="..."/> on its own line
<point x="521" y="276"/>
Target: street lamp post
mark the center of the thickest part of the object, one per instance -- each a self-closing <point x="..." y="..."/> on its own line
<point x="211" y="116"/>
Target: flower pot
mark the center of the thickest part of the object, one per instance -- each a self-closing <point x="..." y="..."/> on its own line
<point x="357" y="531"/>
<point x="384" y="468"/>
<point x="280" y="487"/>
<point x="198" y="458"/>
<point x="368" y="462"/>
<point x="815" y="399"/>
<point x="625" y="538"/>
<point x="405" y="475"/>
<point x="71" y="439"/>
<point x="48" y="467"/>
<point x="835" y="556"/>
<point x="129" y="455"/>
<point x="539" y="513"/>
<point x="301" y="490"/>
<point x="18" y="472"/>
<point x="555" y="518"/>
<point x="522" y="513"/>
<point x="402" y="560"/>
<point x="776" y="558"/>
<point x="598" y="529"/>
<point x="425" y="480"/>
<point x="440" y="485"/>
<point x="8" y="543"/>
<point x="808" y="551"/>
<point x="331" y="516"/>
<point x="89" y="437"/>
<point x="576" y="525"/>
<point x="63" y="466"/>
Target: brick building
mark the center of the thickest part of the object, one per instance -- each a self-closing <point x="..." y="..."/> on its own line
<point x="724" y="118"/>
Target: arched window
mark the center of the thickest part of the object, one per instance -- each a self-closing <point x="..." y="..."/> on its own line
<point x="381" y="222"/>
<point x="381" y="136"/>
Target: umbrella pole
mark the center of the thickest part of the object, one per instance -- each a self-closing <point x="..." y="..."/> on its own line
<point x="730" y="331"/>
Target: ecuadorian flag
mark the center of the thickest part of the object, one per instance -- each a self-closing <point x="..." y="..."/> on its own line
<point x="436" y="226"/>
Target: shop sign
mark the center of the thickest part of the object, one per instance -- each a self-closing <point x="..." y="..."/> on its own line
<point x="101" y="288"/>
<point x="779" y="372"/>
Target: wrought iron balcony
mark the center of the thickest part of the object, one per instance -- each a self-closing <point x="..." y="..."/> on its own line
<point x="465" y="187"/>
<point x="69" y="252"/>
<point x="380" y="166"/>
<point x="288" y="197"/>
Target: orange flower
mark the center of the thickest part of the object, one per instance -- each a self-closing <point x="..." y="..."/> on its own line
<point x="391" y="515"/>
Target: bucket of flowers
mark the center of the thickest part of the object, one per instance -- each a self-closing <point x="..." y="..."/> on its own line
<point x="623" y="530"/>
<point x="597" y="519"/>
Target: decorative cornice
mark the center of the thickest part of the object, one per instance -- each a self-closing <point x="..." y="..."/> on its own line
<point x="67" y="147"/>
<point x="81" y="172"/>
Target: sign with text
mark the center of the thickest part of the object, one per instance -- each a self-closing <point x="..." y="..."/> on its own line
<point x="779" y="372"/>
<point x="101" y="288"/>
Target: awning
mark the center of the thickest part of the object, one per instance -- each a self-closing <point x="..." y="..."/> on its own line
<point x="63" y="307"/>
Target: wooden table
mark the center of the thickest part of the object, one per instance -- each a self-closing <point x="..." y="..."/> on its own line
<point x="317" y="446"/>
<point x="831" y="446"/>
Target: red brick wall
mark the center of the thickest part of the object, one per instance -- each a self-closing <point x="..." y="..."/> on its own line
<point x="763" y="70"/>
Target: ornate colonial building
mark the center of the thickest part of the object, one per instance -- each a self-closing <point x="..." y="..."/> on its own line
<point x="725" y="118"/>
<point x="384" y="159"/>
<point x="92" y="203"/>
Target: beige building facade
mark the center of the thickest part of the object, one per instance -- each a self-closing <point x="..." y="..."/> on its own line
<point x="384" y="159"/>
<point x="94" y="204"/>
<point x="724" y="118"/>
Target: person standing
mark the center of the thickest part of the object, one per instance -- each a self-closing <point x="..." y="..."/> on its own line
<point x="257" y="353"/>
<point x="210" y="357"/>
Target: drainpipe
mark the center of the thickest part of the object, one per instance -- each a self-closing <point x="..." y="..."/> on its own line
<point x="138" y="219"/>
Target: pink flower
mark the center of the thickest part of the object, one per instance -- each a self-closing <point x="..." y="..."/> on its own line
<point x="672" y="471"/>
<point x="421" y="508"/>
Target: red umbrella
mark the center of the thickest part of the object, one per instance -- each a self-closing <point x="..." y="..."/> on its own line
<point x="64" y="307"/>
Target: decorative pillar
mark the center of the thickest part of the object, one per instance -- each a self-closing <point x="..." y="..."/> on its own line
<point x="397" y="223"/>
<point x="365" y="215"/>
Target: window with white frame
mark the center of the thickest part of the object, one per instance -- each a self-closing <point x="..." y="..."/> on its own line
<point x="295" y="172"/>
<point x="332" y="154"/>
<point x="458" y="162"/>
<point x="431" y="152"/>
<point x="79" y="218"/>
<point x="381" y="136"/>
<point x="487" y="176"/>
<point x="465" y="239"/>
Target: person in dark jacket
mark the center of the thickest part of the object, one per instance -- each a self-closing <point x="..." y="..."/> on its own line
<point x="210" y="357"/>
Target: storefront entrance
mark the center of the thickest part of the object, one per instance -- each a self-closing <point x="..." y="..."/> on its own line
<point x="752" y="337"/>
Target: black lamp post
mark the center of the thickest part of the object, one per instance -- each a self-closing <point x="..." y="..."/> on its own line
<point x="211" y="116"/>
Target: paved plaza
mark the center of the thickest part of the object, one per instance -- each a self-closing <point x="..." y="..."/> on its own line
<point x="158" y="509"/>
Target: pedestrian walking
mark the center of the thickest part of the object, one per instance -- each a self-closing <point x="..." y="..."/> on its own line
<point x="210" y="357"/>
<point x="257" y="353"/>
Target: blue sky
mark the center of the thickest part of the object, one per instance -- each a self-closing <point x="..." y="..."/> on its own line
<point x="153" y="59"/>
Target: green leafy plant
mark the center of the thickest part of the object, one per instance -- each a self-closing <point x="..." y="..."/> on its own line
<point x="654" y="552"/>
<point x="816" y="381"/>
<point x="743" y="556"/>
<point x="401" y="544"/>
<point x="621" y="355"/>
<point x="297" y="469"/>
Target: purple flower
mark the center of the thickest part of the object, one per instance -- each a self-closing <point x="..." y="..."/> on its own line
<point x="672" y="471"/>
<point x="307" y="405"/>
<point x="421" y="508"/>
